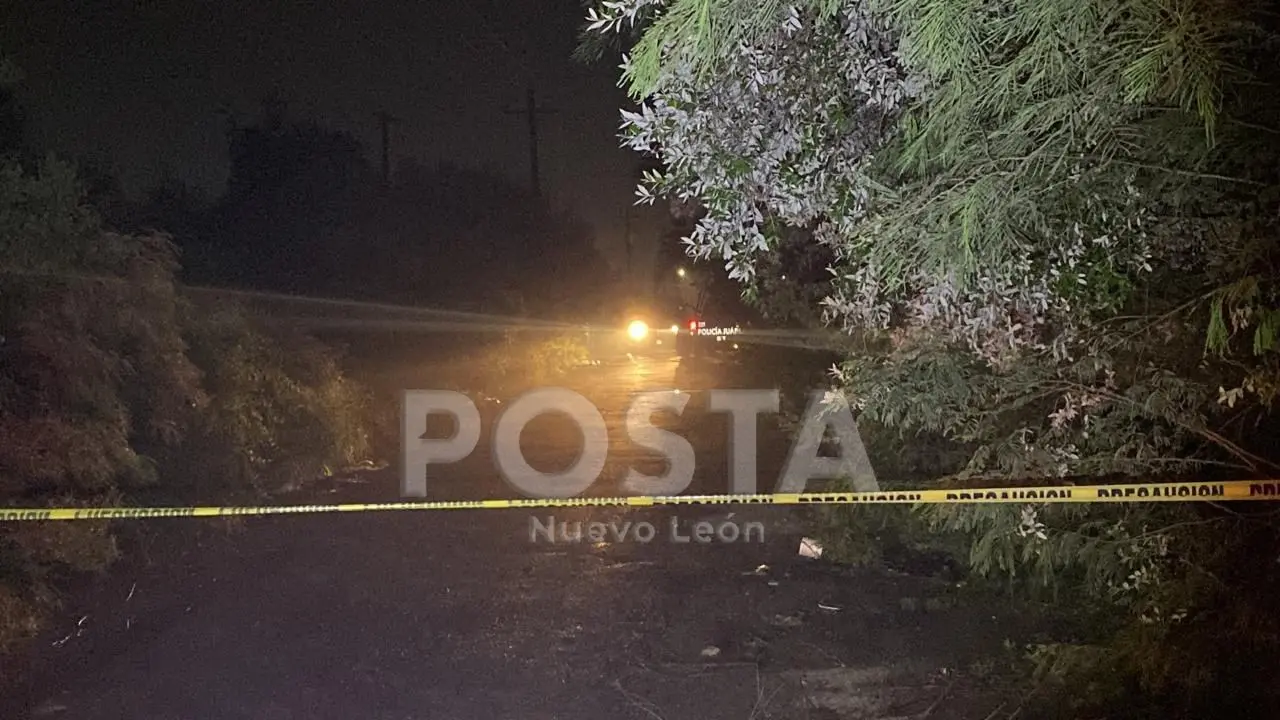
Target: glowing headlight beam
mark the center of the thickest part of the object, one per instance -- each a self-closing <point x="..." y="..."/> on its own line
<point x="638" y="330"/>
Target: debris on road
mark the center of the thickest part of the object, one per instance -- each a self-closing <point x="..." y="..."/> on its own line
<point x="828" y="608"/>
<point x="810" y="548"/>
<point x="49" y="707"/>
<point x="78" y="632"/>
<point x="710" y="651"/>
<point x="866" y="692"/>
<point x="365" y="465"/>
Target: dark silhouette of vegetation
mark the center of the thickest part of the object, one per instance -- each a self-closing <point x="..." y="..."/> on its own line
<point x="305" y="212"/>
<point x="1050" y="234"/>
<point x="115" y="389"/>
<point x="118" y="387"/>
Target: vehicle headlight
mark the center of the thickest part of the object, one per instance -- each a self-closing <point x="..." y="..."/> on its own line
<point x="638" y="330"/>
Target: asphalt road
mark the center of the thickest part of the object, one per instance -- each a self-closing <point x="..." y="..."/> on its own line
<point x="461" y="615"/>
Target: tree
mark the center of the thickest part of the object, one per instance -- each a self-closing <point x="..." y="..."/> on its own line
<point x="114" y="388"/>
<point x="291" y="185"/>
<point x="452" y="236"/>
<point x="1054" y="221"/>
<point x="303" y="213"/>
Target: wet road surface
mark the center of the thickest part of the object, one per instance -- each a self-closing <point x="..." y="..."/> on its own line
<point x="464" y="614"/>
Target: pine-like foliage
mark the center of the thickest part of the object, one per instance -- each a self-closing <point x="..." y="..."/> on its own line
<point x="1057" y="221"/>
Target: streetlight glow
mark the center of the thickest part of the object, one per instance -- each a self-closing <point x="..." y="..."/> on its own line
<point x="638" y="329"/>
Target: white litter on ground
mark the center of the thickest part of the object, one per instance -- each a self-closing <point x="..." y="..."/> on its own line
<point x="810" y="548"/>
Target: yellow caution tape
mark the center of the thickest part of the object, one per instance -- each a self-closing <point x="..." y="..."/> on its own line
<point x="1230" y="491"/>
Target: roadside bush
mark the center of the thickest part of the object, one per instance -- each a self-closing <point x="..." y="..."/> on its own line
<point x="553" y="358"/>
<point x="891" y="534"/>
<point x="94" y="383"/>
<point x="280" y="410"/>
<point x="114" y="390"/>
<point x="521" y="360"/>
<point x="1153" y="604"/>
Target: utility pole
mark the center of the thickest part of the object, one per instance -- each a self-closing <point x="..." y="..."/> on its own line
<point x="386" y="120"/>
<point x="531" y="112"/>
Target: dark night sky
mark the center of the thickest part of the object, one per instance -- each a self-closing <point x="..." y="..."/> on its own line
<point x="138" y="86"/>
